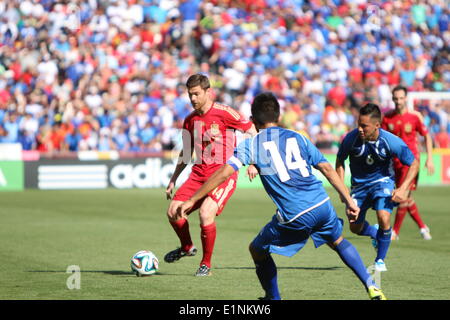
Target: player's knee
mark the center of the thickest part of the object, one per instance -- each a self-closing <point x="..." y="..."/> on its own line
<point x="207" y="214"/>
<point x="384" y="219"/>
<point x="384" y="224"/>
<point x="251" y="249"/>
<point x="335" y="243"/>
<point x="254" y="253"/>
<point x="172" y="212"/>
<point x="204" y="213"/>
<point x="257" y="255"/>
<point x="170" y="215"/>
<point x="404" y="204"/>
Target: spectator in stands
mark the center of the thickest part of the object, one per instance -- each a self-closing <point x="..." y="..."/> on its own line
<point x="69" y="74"/>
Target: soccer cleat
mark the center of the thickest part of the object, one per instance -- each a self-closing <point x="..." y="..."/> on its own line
<point x="376" y="293"/>
<point x="380" y="266"/>
<point x="177" y="254"/>
<point x="394" y="236"/>
<point x="203" y="271"/>
<point x="425" y="232"/>
<point x="374" y="241"/>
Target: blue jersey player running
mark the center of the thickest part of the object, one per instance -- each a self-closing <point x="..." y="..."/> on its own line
<point x="371" y="151"/>
<point x="285" y="159"/>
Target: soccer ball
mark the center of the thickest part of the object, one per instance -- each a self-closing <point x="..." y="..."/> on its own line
<point x="144" y="263"/>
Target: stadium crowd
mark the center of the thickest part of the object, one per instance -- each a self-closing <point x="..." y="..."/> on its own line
<point x="109" y="75"/>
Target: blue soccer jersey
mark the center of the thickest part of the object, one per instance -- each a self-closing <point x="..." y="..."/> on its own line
<point x="284" y="159"/>
<point x="372" y="161"/>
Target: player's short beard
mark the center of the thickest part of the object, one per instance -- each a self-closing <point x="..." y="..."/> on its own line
<point x="400" y="107"/>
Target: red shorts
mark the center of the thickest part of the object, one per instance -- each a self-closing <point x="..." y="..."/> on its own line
<point x="220" y="195"/>
<point x="400" y="175"/>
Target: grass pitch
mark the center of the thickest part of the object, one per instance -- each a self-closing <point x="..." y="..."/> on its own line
<point x="42" y="233"/>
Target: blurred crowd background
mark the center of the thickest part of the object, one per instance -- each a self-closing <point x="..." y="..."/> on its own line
<point x="109" y="75"/>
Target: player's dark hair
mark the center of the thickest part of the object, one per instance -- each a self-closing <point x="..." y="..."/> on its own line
<point x="372" y="110"/>
<point x="400" y="88"/>
<point x="198" y="80"/>
<point x="265" y="108"/>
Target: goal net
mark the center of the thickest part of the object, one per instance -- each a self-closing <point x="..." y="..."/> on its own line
<point x="425" y="95"/>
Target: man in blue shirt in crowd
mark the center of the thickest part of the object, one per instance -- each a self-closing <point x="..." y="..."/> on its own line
<point x="285" y="159"/>
<point x="371" y="151"/>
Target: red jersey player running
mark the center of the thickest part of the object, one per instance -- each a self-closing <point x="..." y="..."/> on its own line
<point x="406" y="124"/>
<point x="209" y="133"/>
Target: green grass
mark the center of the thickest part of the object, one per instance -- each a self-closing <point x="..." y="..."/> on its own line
<point x="44" y="232"/>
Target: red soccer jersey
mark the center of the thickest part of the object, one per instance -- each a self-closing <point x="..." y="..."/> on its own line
<point x="406" y="126"/>
<point x="212" y="136"/>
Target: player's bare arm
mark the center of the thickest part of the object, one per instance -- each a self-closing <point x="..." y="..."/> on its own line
<point x="340" y="170"/>
<point x="182" y="163"/>
<point x="352" y="210"/>
<point x="401" y="193"/>
<point x="184" y="158"/>
<point x="217" y="178"/>
<point x="252" y="172"/>
<point x="429" y="164"/>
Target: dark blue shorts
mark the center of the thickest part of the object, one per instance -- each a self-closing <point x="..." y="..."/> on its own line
<point x="321" y="224"/>
<point x="376" y="196"/>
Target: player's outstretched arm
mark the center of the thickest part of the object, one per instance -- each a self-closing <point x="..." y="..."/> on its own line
<point x="252" y="172"/>
<point x="338" y="183"/>
<point x="401" y="193"/>
<point x="182" y="163"/>
<point x="218" y="177"/>
<point x="340" y="170"/>
<point x="429" y="164"/>
<point x="184" y="158"/>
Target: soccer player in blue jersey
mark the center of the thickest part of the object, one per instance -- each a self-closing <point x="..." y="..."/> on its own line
<point x="285" y="159"/>
<point x="371" y="151"/>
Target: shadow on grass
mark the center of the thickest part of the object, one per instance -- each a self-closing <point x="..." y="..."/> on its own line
<point x="109" y="272"/>
<point x="282" y="268"/>
<point x="129" y="273"/>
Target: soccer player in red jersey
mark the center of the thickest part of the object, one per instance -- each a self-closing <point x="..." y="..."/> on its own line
<point x="208" y="132"/>
<point x="406" y="124"/>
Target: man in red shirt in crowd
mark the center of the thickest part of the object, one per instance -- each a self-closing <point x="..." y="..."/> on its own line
<point x="209" y="132"/>
<point x="406" y="124"/>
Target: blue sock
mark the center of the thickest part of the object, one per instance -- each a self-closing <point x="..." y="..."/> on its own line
<point x="384" y="240"/>
<point x="368" y="230"/>
<point x="266" y="270"/>
<point x="350" y="256"/>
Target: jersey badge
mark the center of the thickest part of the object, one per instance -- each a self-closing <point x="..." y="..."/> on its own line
<point x="369" y="160"/>
<point x="408" y="127"/>
<point x="215" y="129"/>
